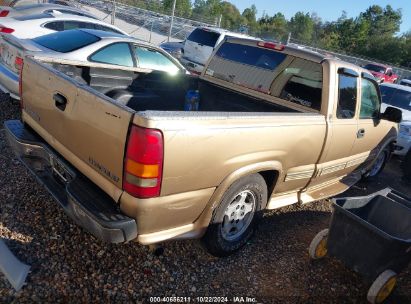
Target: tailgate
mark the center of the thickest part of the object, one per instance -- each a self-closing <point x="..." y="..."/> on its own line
<point x="86" y="127"/>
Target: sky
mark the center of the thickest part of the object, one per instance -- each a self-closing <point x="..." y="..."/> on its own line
<point x="328" y="10"/>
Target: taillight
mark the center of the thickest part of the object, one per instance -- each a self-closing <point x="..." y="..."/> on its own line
<point x="270" y="45"/>
<point x="143" y="164"/>
<point x="21" y="86"/>
<point x="6" y="30"/>
<point x="4" y="13"/>
<point x="18" y="63"/>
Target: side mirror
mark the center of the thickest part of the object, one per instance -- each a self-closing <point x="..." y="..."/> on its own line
<point x="392" y="114"/>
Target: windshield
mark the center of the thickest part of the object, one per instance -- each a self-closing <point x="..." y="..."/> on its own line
<point x="375" y="68"/>
<point x="204" y="37"/>
<point x="66" y="41"/>
<point x="396" y="97"/>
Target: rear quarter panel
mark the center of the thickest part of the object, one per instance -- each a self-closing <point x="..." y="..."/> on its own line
<point x="202" y="149"/>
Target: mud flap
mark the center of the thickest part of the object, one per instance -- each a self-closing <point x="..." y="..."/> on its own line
<point x="14" y="270"/>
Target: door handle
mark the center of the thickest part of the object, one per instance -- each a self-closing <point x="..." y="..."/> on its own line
<point x="60" y="101"/>
<point x="360" y="133"/>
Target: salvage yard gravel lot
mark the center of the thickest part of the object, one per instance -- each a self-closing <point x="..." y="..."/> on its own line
<point x="69" y="265"/>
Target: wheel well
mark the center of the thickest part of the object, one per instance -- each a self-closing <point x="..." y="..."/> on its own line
<point x="270" y="178"/>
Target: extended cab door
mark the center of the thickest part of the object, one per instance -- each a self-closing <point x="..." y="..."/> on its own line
<point x="372" y="132"/>
<point x="337" y="159"/>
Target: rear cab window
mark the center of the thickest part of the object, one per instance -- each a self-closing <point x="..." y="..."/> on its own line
<point x="347" y="94"/>
<point x="269" y="71"/>
<point x="204" y="37"/>
<point x="66" y="41"/>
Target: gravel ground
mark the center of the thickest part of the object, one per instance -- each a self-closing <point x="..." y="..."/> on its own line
<point x="69" y="265"/>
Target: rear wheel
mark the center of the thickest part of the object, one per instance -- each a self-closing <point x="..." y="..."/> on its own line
<point x="382" y="287"/>
<point x="234" y="220"/>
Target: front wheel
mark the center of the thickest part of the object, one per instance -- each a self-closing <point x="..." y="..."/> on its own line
<point x="234" y="220"/>
<point x="378" y="164"/>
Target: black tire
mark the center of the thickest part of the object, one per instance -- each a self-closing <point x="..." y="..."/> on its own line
<point x="406" y="167"/>
<point x="214" y="240"/>
<point x="371" y="174"/>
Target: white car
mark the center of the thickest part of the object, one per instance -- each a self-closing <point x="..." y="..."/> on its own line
<point x="6" y="11"/>
<point x="399" y="96"/>
<point x="200" y="44"/>
<point x="31" y="26"/>
<point x="404" y="139"/>
<point x="405" y="82"/>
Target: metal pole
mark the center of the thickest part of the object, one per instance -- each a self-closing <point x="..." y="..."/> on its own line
<point x="172" y="20"/>
<point x="113" y="16"/>
<point x="288" y="38"/>
<point x="219" y="20"/>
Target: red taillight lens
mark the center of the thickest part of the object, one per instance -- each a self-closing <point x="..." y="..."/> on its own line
<point x="270" y="45"/>
<point x="6" y="30"/>
<point x="4" y="13"/>
<point x="143" y="165"/>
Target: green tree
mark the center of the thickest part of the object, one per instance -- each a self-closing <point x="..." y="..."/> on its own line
<point x="231" y="17"/>
<point x="183" y="7"/>
<point x="250" y="18"/>
<point x="274" y="27"/>
<point x="302" y="27"/>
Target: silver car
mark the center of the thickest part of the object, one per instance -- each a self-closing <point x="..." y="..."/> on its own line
<point x="31" y="9"/>
<point x="82" y="45"/>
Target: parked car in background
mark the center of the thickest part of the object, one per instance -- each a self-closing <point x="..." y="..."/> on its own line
<point x="383" y="73"/>
<point x="81" y="46"/>
<point x="32" y="9"/>
<point x="404" y="139"/>
<point x="31" y="26"/>
<point x="200" y="44"/>
<point x="405" y="82"/>
<point x="176" y="49"/>
<point x="130" y="162"/>
<point x="397" y="96"/>
<point x="17" y="3"/>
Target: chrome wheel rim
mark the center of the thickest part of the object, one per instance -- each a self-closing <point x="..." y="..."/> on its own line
<point x="378" y="164"/>
<point x="238" y="215"/>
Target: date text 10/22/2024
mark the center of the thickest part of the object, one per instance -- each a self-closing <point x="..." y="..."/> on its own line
<point x="173" y="299"/>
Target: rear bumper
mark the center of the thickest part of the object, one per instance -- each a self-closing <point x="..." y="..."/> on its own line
<point x="81" y="199"/>
<point x="9" y="82"/>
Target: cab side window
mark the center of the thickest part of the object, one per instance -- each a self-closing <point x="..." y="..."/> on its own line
<point x="370" y="100"/>
<point x="347" y="96"/>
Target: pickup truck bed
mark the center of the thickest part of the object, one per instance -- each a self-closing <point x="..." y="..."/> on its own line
<point x="161" y="92"/>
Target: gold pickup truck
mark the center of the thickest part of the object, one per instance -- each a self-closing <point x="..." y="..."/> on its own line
<point x="275" y="126"/>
